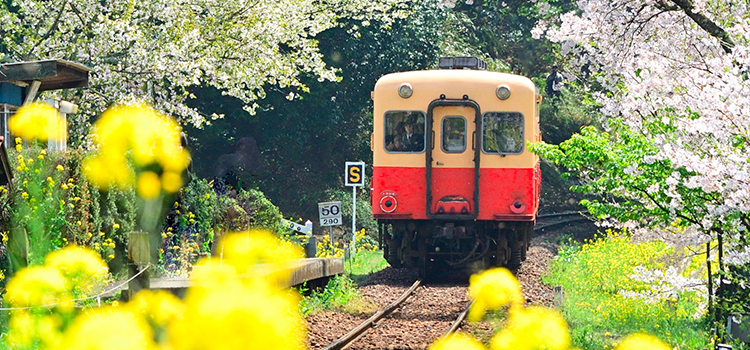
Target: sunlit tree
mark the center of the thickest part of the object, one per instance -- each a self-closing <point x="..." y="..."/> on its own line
<point x="153" y="51"/>
<point x="674" y="92"/>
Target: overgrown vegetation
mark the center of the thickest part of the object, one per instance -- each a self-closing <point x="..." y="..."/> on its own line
<point x="603" y="302"/>
<point x="340" y="294"/>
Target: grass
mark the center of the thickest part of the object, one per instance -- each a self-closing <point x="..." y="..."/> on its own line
<point x="340" y="294"/>
<point x="366" y="263"/>
<point x="593" y="274"/>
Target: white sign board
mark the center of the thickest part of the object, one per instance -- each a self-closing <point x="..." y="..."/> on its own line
<point x="330" y="213"/>
<point x="355" y="174"/>
<point x="307" y="229"/>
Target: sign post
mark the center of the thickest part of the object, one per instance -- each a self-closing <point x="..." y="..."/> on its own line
<point x="330" y="215"/>
<point x="355" y="177"/>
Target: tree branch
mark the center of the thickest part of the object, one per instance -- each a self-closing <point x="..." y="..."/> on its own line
<point x="704" y="22"/>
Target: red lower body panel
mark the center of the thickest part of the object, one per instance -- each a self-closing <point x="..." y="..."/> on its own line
<point x="504" y="194"/>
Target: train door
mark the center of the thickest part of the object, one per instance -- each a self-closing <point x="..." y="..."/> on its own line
<point x="452" y="161"/>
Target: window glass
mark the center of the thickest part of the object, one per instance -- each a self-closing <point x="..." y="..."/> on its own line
<point x="454" y="134"/>
<point x="503" y="132"/>
<point x="404" y="131"/>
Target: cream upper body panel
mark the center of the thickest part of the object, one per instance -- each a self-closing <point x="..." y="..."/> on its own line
<point x="479" y="86"/>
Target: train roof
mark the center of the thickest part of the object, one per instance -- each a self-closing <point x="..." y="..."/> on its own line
<point x="444" y="76"/>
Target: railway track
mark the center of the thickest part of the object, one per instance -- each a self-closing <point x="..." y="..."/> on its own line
<point x="550" y="220"/>
<point x="359" y="338"/>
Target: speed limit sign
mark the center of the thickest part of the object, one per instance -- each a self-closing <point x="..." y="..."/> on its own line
<point x="330" y="213"/>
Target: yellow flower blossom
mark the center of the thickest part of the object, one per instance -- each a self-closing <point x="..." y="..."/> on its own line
<point x="171" y="181"/>
<point x="59" y="167"/>
<point x="531" y="329"/>
<point x="457" y="341"/>
<point x="116" y="226"/>
<point x="25" y="195"/>
<point x="38" y="286"/>
<point x="640" y="341"/>
<point x="159" y="308"/>
<point x="141" y="132"/>
<point x="115" y="329"/>
<point x="260" y="253"/>
<point x="37" y="121"/>
<point x="265" y="317"/>
<point x="148" y="185"/>
<point x="493" y="289"/>
<point x="77" y="264"/>
<point x="27" y="328"/>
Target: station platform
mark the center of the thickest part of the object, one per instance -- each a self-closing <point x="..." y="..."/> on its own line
<point x="313" y="271"/>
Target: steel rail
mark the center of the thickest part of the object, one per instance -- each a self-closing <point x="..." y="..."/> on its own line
<point x="565" y="213"/>
<point x="547" y="220"/>
<point x="356" y="332"/>
<point x="461" y="317"/>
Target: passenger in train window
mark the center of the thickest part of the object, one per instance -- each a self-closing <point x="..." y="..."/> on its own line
<point x="412" y="142"/>
<point x="393" y="139"/>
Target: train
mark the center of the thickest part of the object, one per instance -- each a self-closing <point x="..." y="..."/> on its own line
<point x="454" y="184"/>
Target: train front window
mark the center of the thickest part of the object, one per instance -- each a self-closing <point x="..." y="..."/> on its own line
<point x="454" y="134"/>
<point x="404" y="131"/>
<point x="502" y="132"/>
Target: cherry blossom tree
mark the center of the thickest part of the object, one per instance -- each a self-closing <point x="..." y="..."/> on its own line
<point x="155" y="50"/>
<point x="675" y="95"/>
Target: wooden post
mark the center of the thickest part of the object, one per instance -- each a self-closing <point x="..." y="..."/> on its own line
<point x="138" y="259"/>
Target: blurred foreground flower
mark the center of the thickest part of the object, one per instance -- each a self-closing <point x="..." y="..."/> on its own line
<point x="38" y="286"/>
<point x="236" y="302"/>
<point x="493" y="289"/>
<point x="132" y="139"/>
<point x="457" y="341"/>
<point x="37" y="121"/>
<point x="640" y="341"/>
<point x="81" y="266"/>
<point x="108" y="328"/>
<point x="533" y="328"/>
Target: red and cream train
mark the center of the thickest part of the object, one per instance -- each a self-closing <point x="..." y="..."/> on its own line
<point x="454" y="183"/>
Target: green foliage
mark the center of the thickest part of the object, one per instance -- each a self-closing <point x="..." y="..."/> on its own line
<point x="561" y="117"/>
<point x="625" y="170"/>
<point x="366" y="263"/>
<point x="594" y="274"/>
<point x="364" y="209"/>
<point x="294" y="151"/>
<point x="340" y="293"/>
<point x="262" y="213"/>
<point x="502" y="29"/>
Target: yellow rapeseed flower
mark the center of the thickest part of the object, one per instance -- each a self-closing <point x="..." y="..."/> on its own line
<point x="30" y="330"/>
<point x="237" y="317"/>
<point x="159" y="308"/>
<point x="148" y="185"/>
<point x="171" y="181"/>
<point x="641" y="341"/>
<point x="115" y="329"/>
<point x="38" y="286"/>
<point x="37" y="121"/>
<point x="457" y="341"/>
<point x="259" y="253"/>
<point x="79" y="265"/>
<point x="493" y="289"/>
<point x="135" y="135"/>
<point x="531" y="329"/>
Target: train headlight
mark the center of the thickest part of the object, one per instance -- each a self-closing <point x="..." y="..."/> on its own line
<point x="405" y="90"/>
<point x="518" y="207"/>
<point x="503" y="92"/>
<point x="388" y="204"/>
